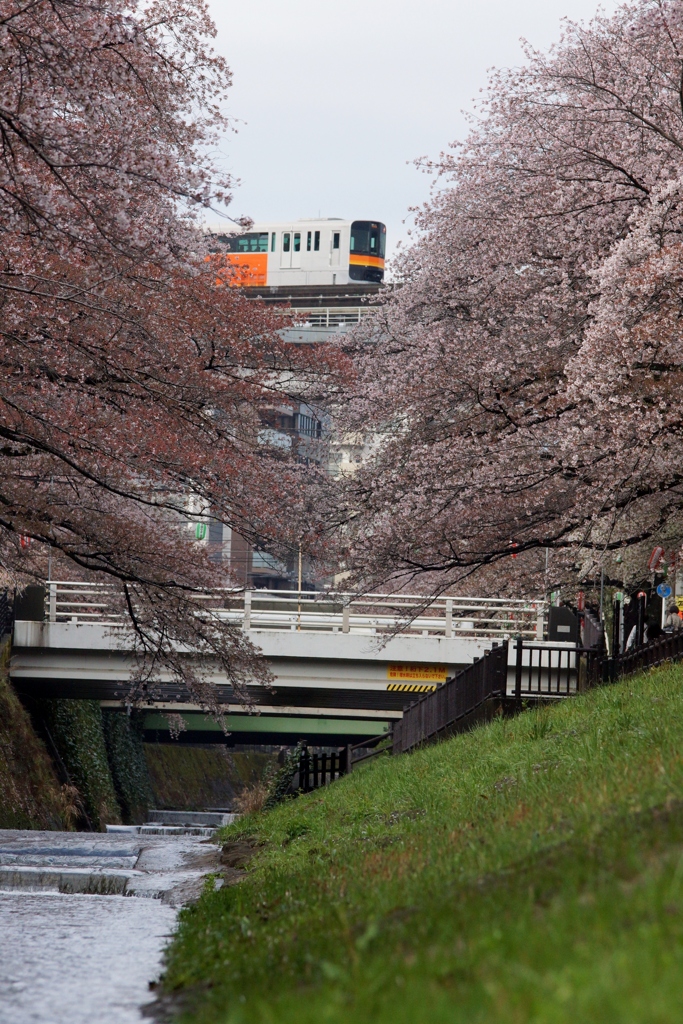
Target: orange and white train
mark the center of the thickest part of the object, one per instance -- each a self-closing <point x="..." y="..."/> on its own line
<point x="303" y="253"/>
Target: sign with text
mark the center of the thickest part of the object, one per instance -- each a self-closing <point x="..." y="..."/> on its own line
<point x="418" y="673"/>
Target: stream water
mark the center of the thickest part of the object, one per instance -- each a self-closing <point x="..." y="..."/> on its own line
<point x="69" y="956"/>
<point x="79" y="959"/>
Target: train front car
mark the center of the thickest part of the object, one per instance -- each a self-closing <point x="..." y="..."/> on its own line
<point x="367" y="248"/>
<point x="327" y="252"/>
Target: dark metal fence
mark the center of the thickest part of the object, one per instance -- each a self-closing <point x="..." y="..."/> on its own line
<point x="440" y="711"/>
<point x="666" y="648"/>
<point x="316" y="770"/>
<point x="6" y="612"/>
<point x="540" y="672"/>
<point x="546" y="670"/>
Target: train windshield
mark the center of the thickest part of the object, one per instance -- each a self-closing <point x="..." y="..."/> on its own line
<point x="368" y="238"/>
<point x="253" y="241"/>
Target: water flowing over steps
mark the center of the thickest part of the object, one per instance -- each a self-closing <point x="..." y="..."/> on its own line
<point x="176" y="823"/>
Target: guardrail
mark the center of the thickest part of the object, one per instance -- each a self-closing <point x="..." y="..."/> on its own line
<point x="332" y="612"/>
<point x="330" y="316"/>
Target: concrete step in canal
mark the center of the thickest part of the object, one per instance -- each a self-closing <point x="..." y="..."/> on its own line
<point x="176" y="823"/>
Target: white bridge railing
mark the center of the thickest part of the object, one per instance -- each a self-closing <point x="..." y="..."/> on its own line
<point x="323" y="612"/>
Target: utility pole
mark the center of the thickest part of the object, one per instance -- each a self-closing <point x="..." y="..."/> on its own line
<point x="298" y="614"/>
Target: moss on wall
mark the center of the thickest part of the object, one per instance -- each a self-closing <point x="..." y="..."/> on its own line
<point x="125" y="751"/>
<point x="30" y="793"/>
<point x="75" y="727"/>
<point x="192" y="777"/>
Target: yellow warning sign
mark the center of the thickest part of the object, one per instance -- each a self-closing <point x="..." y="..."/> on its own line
<point x="679" y="603"/>
<point x="418" y="673"/>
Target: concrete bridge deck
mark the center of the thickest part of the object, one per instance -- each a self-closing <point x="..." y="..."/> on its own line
<point x="340" y="666"/>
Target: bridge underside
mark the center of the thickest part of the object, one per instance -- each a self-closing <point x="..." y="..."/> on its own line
<point x="264" y="729"/>
<point x="284" y="699"/>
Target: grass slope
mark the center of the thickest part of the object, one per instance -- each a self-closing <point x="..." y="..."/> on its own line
<point x="531" y="870"/>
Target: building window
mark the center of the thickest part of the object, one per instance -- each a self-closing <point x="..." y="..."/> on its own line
<point x="308" y="242"/>
<point x="316" y="243"/>
<point x="335" y="240"/>
<point x="308" y="425"/>
<point x="286" y="240"/>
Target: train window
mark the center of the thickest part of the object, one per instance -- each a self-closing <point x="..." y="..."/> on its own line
<point x="316" y="242"/>
<point x="308" y="242"/>
<point x="272" y="241"/>
<point x="286" y="239"/>
<point x="335" y="240"/>
<point x="297" y="241"/>
<point x="252" y="241"/>
<point x="368" y="238"/>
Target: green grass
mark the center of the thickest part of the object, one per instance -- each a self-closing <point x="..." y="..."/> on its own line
<point x="531" y="870"/>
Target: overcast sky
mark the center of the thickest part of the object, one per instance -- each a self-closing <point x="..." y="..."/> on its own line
<point x="334" y="101"/>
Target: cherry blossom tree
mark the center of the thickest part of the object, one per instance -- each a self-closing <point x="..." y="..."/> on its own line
<point x="133" y="378"/>
<point x="522" y="382"/>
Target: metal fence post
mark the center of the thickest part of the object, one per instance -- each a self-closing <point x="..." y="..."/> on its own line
<point x="581" y="671"/>
<point x="304" y="770"/>
<point x="348" y="764"/>
<point x="518" y="669"/>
